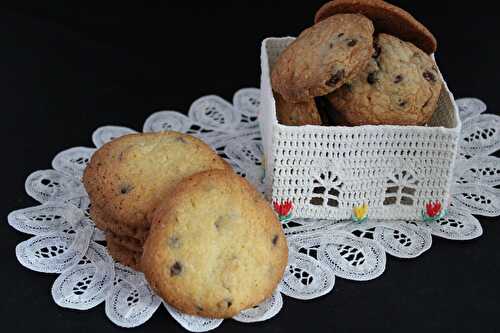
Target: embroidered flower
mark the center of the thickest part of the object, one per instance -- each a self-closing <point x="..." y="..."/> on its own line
<point x="283" y="209"/>
<point x="433" y="211"/>
<point x="360" y="213"/>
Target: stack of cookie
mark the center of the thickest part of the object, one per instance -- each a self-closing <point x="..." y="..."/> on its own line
<point x="129" y="176"/>
<point x="364" y="62"/>
<point x="215" y="247"/>
<point x="206" y="240"/>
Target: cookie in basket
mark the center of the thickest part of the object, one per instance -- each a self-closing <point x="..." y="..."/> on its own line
<point x="386" y="18"/>
<point x="323" y="57"/>
<point x="216" y="247"/>
<point x="128" y="176"/>
<point x="400" y="86"/>
<point x="296" y="114"/>
<point x="123" y="255"/>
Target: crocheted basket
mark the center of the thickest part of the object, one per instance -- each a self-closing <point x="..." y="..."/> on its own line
<point x="325" y="171"/>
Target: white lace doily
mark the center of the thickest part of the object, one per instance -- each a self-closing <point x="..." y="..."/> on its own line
<point x="65" y="241"/>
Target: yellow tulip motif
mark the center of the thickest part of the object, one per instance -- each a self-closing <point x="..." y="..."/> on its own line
<point x="360" y="212"/>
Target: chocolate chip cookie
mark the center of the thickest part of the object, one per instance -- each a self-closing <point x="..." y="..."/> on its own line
<point x="386" y="18"/>
<point x="400" y="86"/>
<point x="107" y="224"/>
<point x="216" y="247"/>
<point x="123" y="255"/>
<point x="323" y="57"/>
<point x="127" y="177"/>
<point x="129" y="243"/>
<point x="296" y="114"/>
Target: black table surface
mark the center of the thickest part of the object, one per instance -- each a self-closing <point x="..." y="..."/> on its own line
<point x="68" y="69"/>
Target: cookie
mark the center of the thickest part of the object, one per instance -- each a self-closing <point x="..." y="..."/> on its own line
<point x="400" y="86"/>
<point x="323" y="57"/>
<point x="329" y="116"/>
<point x="128" y="176"/>
<point x="123" y="255"/>
<point x="216" y="247"/>
<point x="296" y="114"/>
<point x="107" y="224"/>
<point x="386" y="18"/>
<point x="129" y="243"/>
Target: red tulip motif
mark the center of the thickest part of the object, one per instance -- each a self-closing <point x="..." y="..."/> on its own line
<point x="433" y="208"/>
<point x="433" y="211"/>
<point x="283" y="209"/>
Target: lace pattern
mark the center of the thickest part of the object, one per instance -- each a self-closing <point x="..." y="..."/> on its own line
<point x="65" y="241"/>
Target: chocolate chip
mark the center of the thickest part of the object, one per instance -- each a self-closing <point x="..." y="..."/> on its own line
<point x="174" y="242"/>
<point x="218" y="222"/>
<point x="426" y="103"/>
<point x="377" y="51"/>
<point x="429" y="76"/>
<point x="335" y="78"/>
<point x="372" y="78"/>
<point x="176" y="269"/>
<point x="398" y="78"/>
<point x="348" y="87"/>
<point x="275" y="240"/>
<point x="402" y="103"/>
<point x="199" y="308"/>
<point x="352" y="42"/>
<point x="226" y="303"/>
<point x="125" y="188"/>
<point x="340" y="34"/>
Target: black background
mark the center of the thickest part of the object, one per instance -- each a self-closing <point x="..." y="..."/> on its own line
<point x="68" y="69"/>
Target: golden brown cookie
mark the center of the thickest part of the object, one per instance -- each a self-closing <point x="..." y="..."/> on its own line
<point x="386" y="18"/>
<point x="216" y="247"/>
<point x="323" y="57"/>
<point x="129" y="243"/>
<point x="329" y="116"/>
<point x="107" y="224"/>
<point x="123" y="255"/>
<point x="127" y="177"/>
<point x="400" y="86"/>
<point x="296" y="114"/>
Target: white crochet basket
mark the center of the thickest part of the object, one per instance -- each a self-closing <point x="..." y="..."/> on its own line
<point x="327" y="170"/>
